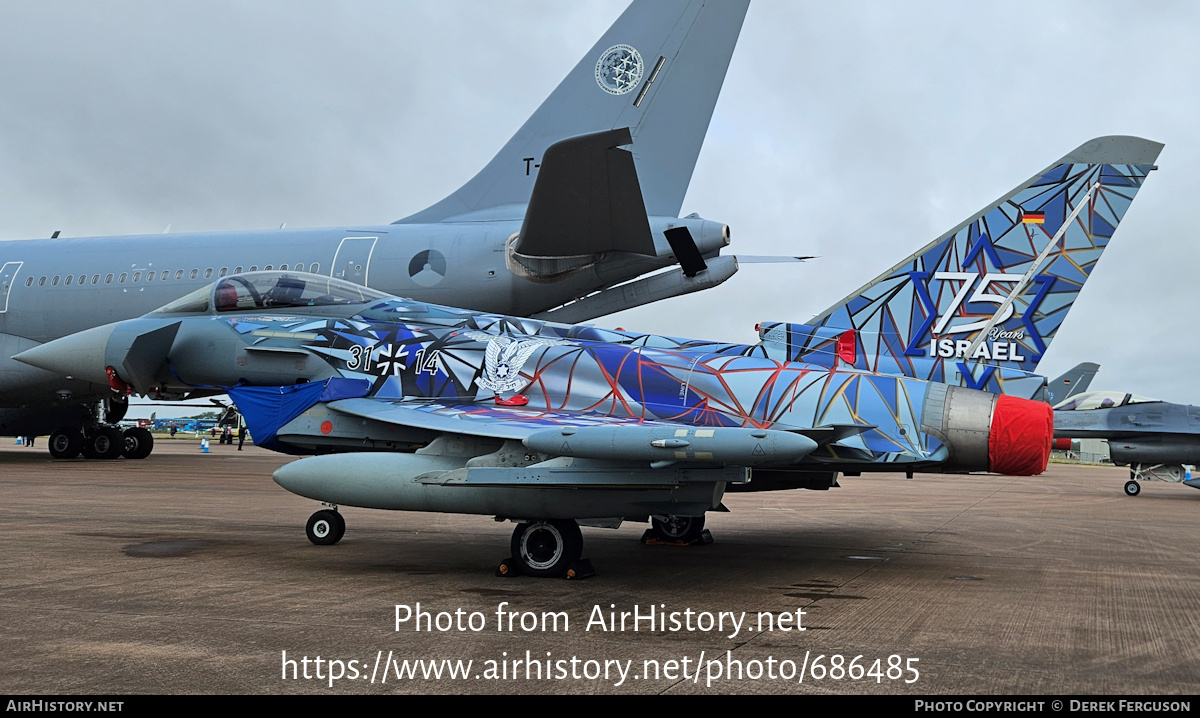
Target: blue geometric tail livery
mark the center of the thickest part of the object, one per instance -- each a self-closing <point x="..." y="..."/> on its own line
<point x="924" y="316"/>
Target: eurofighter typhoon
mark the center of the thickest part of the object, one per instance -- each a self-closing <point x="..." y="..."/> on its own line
<point x="433" y="408"/>
<point x="441" y="409"/>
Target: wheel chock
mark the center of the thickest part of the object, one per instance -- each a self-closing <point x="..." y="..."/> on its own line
<point x="650" y="539"/>
<point x="579" y="570"/>
<point x="507" y="569"/>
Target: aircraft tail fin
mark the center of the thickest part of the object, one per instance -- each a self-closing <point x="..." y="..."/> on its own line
<point x="658" y="71"/>
<point x="979" y="306"/>
<point x="1075" y="381"/>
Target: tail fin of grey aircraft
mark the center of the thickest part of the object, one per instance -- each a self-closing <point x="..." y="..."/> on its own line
<point x="657" y="71"/>
<point x="1075" y="381"/>
<point x="979" y="306"/>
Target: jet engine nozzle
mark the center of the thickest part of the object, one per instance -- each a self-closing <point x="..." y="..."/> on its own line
<point x="989" y="432"/>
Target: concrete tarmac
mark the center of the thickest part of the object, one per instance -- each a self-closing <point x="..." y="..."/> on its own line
<point x="190" y="573"/>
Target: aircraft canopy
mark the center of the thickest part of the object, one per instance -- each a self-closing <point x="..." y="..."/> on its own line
<point x="271" y="290"/>
<point x="1093" y="400"/>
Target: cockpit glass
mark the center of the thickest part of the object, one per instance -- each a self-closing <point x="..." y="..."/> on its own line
<point x="1135" y="399"/>
<point x="1094" y="400"/>
<point x="273" y="290"/>
<point x="194" y="303"/>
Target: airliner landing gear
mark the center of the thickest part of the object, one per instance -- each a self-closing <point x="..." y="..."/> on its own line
<point x="326" y="527"/>
<point x="99" y="438"/>
<point x="547" y="549"/>
<point x="66" y="443"/>
<point x="1132" y="488"/>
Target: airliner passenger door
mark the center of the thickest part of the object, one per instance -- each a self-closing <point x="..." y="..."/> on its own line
<point x="8" y="275"/>
<point x="353" y="258"/>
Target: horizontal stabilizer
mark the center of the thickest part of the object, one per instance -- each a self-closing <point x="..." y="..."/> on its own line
<point x="586" y="201"/>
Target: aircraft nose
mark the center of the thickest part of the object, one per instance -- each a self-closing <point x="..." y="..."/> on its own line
<point x="78" y="356"/>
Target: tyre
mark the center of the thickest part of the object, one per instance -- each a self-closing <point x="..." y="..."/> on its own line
<point x="325" y="527"/>
<point x="105" y="443"/>
<point x="66" y="443"/>
<point x="682" y="529"/>
<point x="115" y="409"/>
<point x="1132" y="488"/>
<point x="545" y="548"/>
<point x="138" y="444"/>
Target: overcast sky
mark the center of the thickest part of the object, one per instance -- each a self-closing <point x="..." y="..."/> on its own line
<point x="857" y="131"/>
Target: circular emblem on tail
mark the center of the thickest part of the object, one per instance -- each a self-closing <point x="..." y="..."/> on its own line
<point x="619" y="70"/>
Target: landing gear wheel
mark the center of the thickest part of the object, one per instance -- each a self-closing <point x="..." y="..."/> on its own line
<point x="545" y="548"/>
<point x="138" y="444"/>
<point x="325" y="528"/>
<point x="66" y="443"/>
<point x="1132" y="488"/>
<point x="105" y="443"/>
<point x="115" y="409"/>
<point x="678" y="529"/>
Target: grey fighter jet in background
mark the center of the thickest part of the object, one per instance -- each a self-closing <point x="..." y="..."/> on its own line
<point x="1074" y="382"/>
<point x="549" y="228"/>
<point x="1155" y="438"/>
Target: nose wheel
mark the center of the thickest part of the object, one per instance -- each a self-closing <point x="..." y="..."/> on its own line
<point x="325" y="527"/>
<point x="1132" y="488"/>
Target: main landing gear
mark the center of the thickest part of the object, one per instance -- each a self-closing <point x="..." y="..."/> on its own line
<point x="1132" y="488"/>
<point x="100" y="439"/>
<point x="677" y="530"/>
<point x="101" y="442"/>
<point x="546" y="549"/>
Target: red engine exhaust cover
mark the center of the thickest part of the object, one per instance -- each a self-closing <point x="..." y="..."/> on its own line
<point x="1021" y="436"/>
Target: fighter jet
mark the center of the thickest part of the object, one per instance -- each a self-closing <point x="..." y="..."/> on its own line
<point x="1153" y="437"/>
<point x="435" y="408"/>
<point x="560" y="216"/>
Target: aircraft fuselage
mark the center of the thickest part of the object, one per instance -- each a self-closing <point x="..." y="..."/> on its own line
<point x="50" y="288"/>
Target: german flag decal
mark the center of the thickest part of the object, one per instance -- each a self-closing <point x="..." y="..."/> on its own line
<point x="1033" y="217"/>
